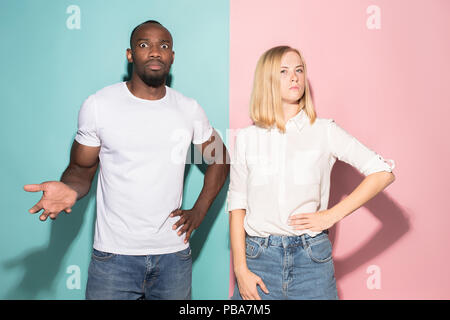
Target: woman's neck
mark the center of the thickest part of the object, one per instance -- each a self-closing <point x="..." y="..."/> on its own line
<point x="290" y="110"/>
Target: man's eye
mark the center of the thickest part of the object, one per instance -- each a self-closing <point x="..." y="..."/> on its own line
<point x="143" y="45"/>
<point x="165" y="46"/>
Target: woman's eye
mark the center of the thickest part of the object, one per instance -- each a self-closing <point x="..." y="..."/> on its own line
<point x="283" y="71"/>
<point x="300" y="70"/>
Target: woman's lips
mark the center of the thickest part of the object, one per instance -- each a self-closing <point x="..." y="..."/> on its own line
<point x="293" y="88"/>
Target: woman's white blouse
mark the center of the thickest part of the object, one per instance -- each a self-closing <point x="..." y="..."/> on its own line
<point x="275" y="175"/>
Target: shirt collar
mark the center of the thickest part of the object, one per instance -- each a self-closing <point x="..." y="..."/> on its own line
<point x="298" y="121"/>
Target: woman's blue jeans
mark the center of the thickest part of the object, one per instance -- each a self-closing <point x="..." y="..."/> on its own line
<point x="292" y="267"/>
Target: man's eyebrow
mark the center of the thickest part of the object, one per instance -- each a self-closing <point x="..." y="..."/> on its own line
<point x="146" y="39"/>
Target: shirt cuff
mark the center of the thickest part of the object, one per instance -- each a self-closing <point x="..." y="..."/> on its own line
<point x="85" y="140"/>
<point x="236" y="200"/>
<point x="378" y="164"/>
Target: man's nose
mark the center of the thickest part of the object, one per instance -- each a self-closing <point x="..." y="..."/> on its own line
<point x="155" y="52"/>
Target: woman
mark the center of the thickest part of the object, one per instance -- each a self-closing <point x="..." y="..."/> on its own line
<point x="279" y="186"/>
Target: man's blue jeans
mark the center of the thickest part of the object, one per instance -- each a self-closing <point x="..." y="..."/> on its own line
<point x="292" y="267"/>
<point x="124" y="277"/>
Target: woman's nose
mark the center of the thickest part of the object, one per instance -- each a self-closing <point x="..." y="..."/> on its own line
<point x="294" y="77"/>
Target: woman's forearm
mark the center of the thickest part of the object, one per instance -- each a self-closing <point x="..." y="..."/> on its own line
<point x="366" y="190"/>
<point x="237" y="240"/>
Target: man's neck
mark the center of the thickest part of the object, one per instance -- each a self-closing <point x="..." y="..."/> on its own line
<point x="139" y="89"/>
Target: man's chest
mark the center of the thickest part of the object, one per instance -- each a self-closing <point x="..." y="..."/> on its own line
<point x="155" y="132"/>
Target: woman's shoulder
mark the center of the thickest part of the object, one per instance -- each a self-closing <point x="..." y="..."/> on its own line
<point x="252" y="131"/>
<point x="322" y="125"/>
<point x="245" y="131"/>
<point x="323" y="122"/>
<point x="246" y="134"/>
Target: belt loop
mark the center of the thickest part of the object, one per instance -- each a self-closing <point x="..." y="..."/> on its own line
<point x="305" y="244"/>
<point x="266" y="242"/>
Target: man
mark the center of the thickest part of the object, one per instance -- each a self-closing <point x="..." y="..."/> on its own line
<point x="139" y="132"/>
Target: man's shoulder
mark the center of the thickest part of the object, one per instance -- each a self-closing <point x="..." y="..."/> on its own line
<point x="108" y="91"/>
<point x="105" y="94"/>
<point x="180" y="97"/>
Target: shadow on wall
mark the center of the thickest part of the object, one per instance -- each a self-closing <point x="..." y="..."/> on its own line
<point x="43" y="265"/>
<point x="199" y="236"/>
<point x="394" y="223"/>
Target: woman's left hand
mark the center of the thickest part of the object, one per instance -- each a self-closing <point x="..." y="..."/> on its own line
<point x="316" y="221"/>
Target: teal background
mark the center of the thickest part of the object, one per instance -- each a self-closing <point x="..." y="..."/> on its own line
<point x="47" y="72"/>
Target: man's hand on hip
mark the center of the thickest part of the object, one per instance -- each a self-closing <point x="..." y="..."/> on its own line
<point x="189" y="220"/>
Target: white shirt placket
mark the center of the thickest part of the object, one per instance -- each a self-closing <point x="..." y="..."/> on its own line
<point x="281" y="177"/>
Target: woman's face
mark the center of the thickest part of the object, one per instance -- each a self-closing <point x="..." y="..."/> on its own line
<point x="292" y="79"/>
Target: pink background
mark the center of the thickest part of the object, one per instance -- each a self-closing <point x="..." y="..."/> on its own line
<point x="390" y="88"/>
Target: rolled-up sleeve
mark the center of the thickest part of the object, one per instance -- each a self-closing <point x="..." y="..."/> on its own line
<point x="237" y="191"/>
<point x="347" y="148"/>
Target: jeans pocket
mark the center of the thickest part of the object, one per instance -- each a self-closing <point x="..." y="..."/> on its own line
<point x="101" y="255"/>
<point x="184" y="254"/>
<point x="252" y="249"/>
<point x="320" y="251"/>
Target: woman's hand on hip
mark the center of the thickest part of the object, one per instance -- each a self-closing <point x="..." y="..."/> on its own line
<point x="247" y="282"/>
<point x="316" y="221"/>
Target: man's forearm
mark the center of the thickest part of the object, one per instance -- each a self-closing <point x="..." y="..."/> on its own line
<point x="79" y="179"/>
<point x="215" y="177"/>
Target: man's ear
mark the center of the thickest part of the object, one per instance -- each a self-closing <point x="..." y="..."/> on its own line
<point x="129" y="56"/>
<point x="173" y="56"/>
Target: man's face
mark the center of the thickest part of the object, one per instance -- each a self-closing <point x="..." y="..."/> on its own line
<point x="151" y="54"/>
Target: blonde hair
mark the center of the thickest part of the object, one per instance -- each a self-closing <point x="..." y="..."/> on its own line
<point x="265" y="102"/>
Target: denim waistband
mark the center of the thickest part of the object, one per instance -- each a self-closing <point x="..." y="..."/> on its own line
<point x="303" y="240"/>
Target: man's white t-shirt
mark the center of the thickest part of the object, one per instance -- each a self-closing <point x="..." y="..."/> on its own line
<point x="144" y="144"/>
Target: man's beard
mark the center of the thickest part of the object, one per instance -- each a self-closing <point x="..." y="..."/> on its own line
<point x="154" y="80"/>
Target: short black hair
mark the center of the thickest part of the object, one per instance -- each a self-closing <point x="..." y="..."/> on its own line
<point x="148" y="21"/>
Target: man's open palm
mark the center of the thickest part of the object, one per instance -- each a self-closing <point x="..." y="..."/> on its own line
<point x="57" y="197"/>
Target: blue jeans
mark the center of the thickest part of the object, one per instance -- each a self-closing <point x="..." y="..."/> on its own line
<point x="297" y="267"/>
<point x="125" y="277"/>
